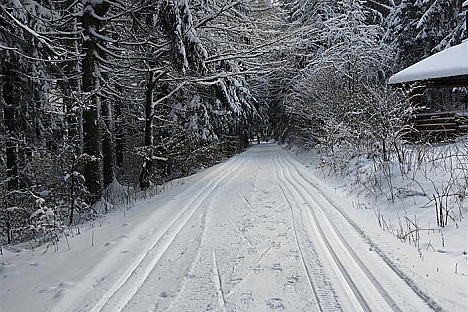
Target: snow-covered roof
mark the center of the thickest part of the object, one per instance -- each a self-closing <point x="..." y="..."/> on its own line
<point x="452" y="62"/>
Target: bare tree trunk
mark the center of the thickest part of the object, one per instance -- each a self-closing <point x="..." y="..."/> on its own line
<point x="119" y="133"/>
<point x="92" y="144"/>
<point x="73" y="110"/>
<point x="108" y="146"/>
<point x="11" y="97"/>
<point x="93" y="171"/>
<point x="149" y="110"/>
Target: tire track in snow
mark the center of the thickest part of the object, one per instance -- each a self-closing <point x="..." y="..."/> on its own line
<point x="360" y="289"/>
<point x="431" y="303"/>
<point x="135" y="275"/>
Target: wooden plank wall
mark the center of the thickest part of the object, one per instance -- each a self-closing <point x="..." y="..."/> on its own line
<point x="437" y="127"/>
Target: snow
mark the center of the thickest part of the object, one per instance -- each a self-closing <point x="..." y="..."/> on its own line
<point x="451" y="62"/>
<point x="438" y="256"/>
<point x="260" y="232"/>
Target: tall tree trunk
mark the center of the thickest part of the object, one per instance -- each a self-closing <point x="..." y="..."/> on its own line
<point x="93" y="171"/>
<point x="92" y="144"/>
<point x="78" y="85"/>
<point x="119" y="133"/>
<point x="11" y="97"/>
<point x="108" y="146"/>
<point x="108" y="142"/>
<point x="71" y="84"/>
<point x="149" y="110"/>
<point x="38" y="94"/>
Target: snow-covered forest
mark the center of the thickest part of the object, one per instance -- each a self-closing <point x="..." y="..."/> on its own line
<point x="101" y="98"/>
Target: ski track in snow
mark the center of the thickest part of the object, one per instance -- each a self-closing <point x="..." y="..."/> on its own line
<point x="123" y="296"/>
<point x="410" y="282"/>
<point x="258" y="236"/>
<point x="347" y="268"/>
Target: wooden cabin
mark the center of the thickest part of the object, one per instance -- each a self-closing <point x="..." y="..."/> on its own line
<point x="447" y="70"/>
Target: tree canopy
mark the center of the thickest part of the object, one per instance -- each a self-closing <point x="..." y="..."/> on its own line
<point x="95" y="94"/>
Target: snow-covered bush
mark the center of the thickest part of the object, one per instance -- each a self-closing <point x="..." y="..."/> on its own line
<point x="44" y="224"/>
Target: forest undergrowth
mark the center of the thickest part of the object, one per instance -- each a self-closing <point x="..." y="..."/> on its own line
<point x="425" y="185"/>
<point x="55" y="207"/>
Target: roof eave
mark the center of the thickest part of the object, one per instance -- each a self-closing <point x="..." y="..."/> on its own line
<point x="440" y="82"/>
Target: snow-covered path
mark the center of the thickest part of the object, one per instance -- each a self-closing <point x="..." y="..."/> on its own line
<point x="255" y="234"/>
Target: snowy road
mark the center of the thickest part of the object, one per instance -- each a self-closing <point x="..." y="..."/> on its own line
<point x="252" y="234"/>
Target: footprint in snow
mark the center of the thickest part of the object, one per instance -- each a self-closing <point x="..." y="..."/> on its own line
<point x="275" y="304"/>
<point x="257" y="269"/>
<point x="276" y="245"/>
<point x="191" y="276"/>
<point x="59" y="294"/>
<point x="247" y="298"/>
<point x="99" y="280"/>
<point x="292" y="280"/>
<point x="236" y="280"/>
<point x="58" y="290"/>
<point x="277" y="267"/>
